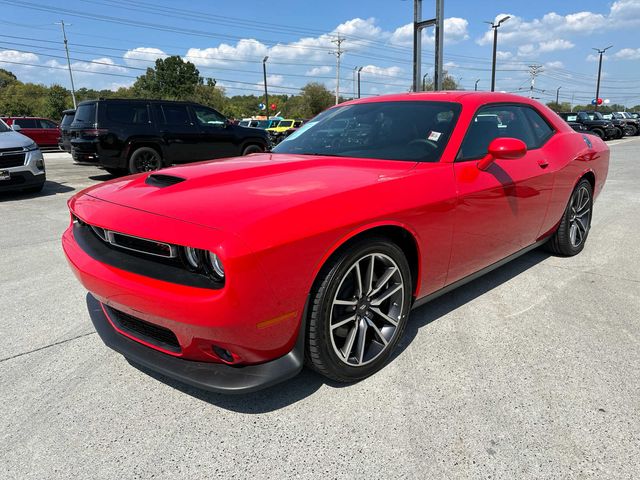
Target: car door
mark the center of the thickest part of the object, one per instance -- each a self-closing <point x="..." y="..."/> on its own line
<point x="217" y="136"/>
<point x="178" y="131"/>
<point x="31" y="128"/>
<point x="50" y="132"/>
<point x="501" y="210"/>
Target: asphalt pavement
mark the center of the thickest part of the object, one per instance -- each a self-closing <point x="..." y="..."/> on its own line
<point x="532" y="371"/>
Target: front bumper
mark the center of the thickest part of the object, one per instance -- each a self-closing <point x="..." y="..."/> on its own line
<point x="214" y="377"/>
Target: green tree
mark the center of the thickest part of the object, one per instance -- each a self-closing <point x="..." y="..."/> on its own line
<point x="314" y="98"/>
<point x="171" y="79"/>
<point x="559" y="107"/>
<point x="7" y="78"/>
<point x="58" y="99"/>
<point x="448" y="83"/>
<point x="210" y="95"/>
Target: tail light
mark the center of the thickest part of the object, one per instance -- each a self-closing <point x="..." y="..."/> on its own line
<point x="93" y="132"/>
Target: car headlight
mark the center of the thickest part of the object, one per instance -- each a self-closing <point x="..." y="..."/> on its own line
<point x="32" y="147"/>
<point x="203" y="261"/>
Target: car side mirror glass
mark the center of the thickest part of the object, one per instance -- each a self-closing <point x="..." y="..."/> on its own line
<point x="15" y="127"/>
<point x="504" y="148"/>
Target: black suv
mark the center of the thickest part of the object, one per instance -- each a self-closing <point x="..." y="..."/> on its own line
<point x="142" y="135"/>
<point x="64" y="142"/>
<point x="603" y="128"/>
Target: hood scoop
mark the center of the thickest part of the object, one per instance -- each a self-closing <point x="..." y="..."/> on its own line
<point x="161" y="180"/>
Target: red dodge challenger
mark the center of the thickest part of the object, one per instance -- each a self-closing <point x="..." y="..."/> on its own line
<point x="230" y="275"/>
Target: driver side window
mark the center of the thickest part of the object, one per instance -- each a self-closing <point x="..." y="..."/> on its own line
<point x="208" y="116"/>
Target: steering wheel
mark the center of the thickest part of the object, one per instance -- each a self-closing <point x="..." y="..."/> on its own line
<point x="424" y="141"/>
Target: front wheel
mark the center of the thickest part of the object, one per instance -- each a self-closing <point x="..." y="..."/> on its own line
<point x="145" y="159"/>
<point x="359" y="309"/>
<point x="574" y="227"/>
<point x="630" y="130"/>
<point x="252" y="149"/>
<point x="599" y="133"/>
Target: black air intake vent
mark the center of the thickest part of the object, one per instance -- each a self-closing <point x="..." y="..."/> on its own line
<point x="161" y="181"/>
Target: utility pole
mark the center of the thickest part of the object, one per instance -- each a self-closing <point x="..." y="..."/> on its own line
<point x="359" y="70"/>
<point x="338" y="53"/>
<point x="66" y="47"/>
<point x="476" y="85"/>
<point x="534" y="71"/>
<point x="418" y="25"/>
<point x="266" y="94"/>
<point x="355" y="70"/>
<point x="424" y="81"/>
<point x="558" y="95"/>
<point x="495" y="27"/>
<point x="601" y="52"/>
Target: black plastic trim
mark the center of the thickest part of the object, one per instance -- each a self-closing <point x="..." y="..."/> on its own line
<point x="160" y="268"/>
<point x="214" y="377"/>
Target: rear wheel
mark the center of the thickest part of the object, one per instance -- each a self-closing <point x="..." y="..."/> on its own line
<point x="599" y="133"/>
<point x="145" y="159"/>
<point x="619" y="133"/>
<point x="359" y="310"/>
<point x="252" y="149"/>
<point x="630" y="130"/>
<point x="574" y="227"/>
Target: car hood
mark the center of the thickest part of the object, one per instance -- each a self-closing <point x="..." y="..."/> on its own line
<point x="234" y="192"/>
<point x="13" y="139"/>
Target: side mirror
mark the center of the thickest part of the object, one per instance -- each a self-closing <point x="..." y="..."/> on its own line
<point x="15" y="127"/>
<point x="503" y="148"/>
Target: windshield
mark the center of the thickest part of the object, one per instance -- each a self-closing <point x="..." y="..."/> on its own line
<point x="67" y="119"/>
<point x="414" y="131"/>
<point x="3" y="127"/>
<point x="263" y="123"/>
<point x="285" y="123"/>
<point x="86" y="113"/>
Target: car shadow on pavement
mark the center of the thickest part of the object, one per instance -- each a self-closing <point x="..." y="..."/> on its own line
<point x="307" y="382"/>
<point x="104" y="177"/>
<point x="50" y="188"/>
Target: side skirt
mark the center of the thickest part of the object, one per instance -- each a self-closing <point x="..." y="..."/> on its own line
<point x="438" y="293"/>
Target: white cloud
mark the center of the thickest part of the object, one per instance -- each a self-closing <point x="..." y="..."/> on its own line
<point x="18" y="57"/>
<point x="143" y="57"/>
<point x="245" y="49"/>
<point x="381" y="71"/>
<point x="594" y="57"/>
<point x="553" y="45"/>
<point x="628" y="54"/>
<point x="554" y="64"/>
<point x="325" y="69"/>
<point x="455" y="31"/>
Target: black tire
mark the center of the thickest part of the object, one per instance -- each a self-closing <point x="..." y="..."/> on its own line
<point x="117" y="172"/>
<point x="564" y="240"/>
<point x="619" y="133"/>
<point x="36" y="189"/>
<point x="145" y="159"/>
<point x="339" y="278"/>
<point x="630" y="130"/>
<point x="599" y="132"/>
<point x="252" y="149"/>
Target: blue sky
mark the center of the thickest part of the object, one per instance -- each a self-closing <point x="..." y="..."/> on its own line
<point x="113" y="41"/>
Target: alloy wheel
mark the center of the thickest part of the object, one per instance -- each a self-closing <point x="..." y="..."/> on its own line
<point x="580" y="216"/>
<point x="366" y="309"/>
<point x="147" y="161"/>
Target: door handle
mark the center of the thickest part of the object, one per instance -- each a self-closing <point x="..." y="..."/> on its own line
<point x="543" y="163"/>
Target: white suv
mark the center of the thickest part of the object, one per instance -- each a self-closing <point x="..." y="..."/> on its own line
<point x="21" y="162"/>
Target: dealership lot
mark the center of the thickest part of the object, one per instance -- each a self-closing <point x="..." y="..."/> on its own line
<point x="530" y="371"/>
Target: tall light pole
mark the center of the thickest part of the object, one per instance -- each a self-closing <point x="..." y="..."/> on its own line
<point x="558" y="95"/>
<point x="495" y="27"/>
<point x="359" y="70"/>
<point x="601" y="52"/>
<point x="418" y="25"/>
<point x="66" y="47"/>
<point x="266" y="94"/>
<point x="476" y="85"/>
<point x="424" y="81"/>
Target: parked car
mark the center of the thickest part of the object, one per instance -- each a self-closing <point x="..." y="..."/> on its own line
<point x="578" y="127"/>
<point x="602" y="128"/>
<point x="43" y="131"/>
<point x="230" y="275"/>
<point x="283" y="129"/>
<point x="632" y="123"/>
<point x="64" y="143"/>
<point x="21" y="162"/>
<point x="619" y="125"/>
<point x="143" y="135"/>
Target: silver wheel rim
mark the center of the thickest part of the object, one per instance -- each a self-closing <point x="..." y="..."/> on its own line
<point x="580" y="216"/>
<point x="366" y="309"/>
<point x="147" y="161"/>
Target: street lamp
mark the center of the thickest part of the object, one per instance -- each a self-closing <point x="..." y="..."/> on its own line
<point x="495" y="47"/>
<point x="424" y="81"/>
<point x="476" y="85"/>
<point x="359" y="70"/>
<point x="599" y="71"/>
<point x="558" y="96"/>
<point x="266" y="94"/>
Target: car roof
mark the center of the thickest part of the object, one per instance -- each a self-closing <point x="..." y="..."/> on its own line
<point x="458" y="96"/>
<point x="135" y="100"/>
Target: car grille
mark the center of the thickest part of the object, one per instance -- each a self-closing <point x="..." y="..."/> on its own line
<point x="145" y="331"/>
<point x="11" y="157"/>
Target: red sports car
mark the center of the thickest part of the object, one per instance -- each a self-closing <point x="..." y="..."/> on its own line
<point x="230" y="275"/>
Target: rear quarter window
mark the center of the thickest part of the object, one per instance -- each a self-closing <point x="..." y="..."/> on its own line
<point x="85" y="114"/>
<point x="130" y="114"/>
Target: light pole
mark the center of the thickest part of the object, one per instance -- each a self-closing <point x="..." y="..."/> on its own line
<point x="558" y="96"/>
<point x="495" y="49"/>
<point x="476" y="85"/>
<point x="599" y="72"/>
<point x="266" y="94"/>
<point x="66" y="47"/>
<point x="359" y="70"/>
<point x="424" y="82"/>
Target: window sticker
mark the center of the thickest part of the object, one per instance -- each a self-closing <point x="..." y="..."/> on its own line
<point x="434" y="136"/>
